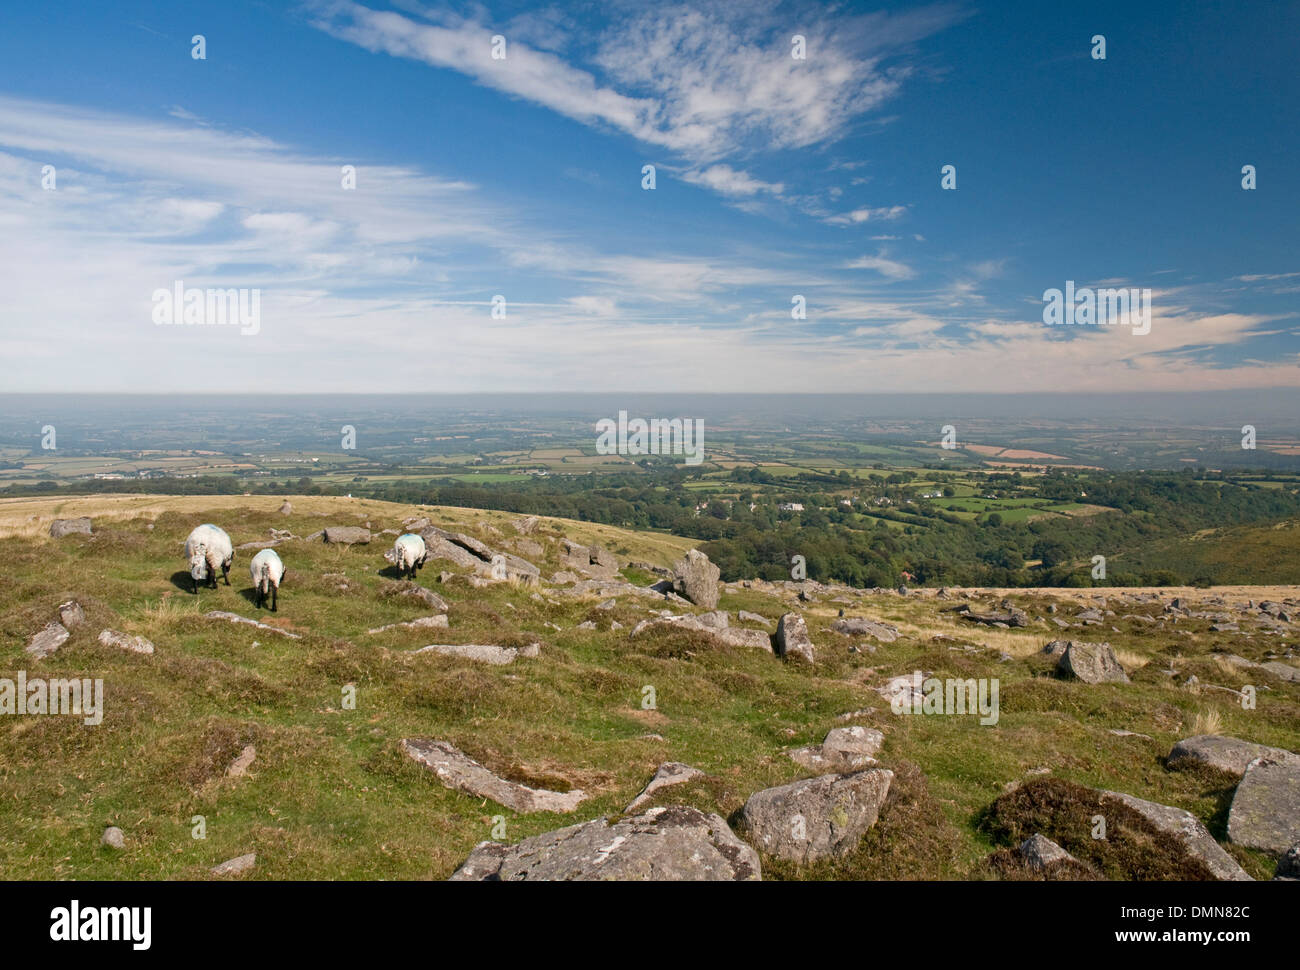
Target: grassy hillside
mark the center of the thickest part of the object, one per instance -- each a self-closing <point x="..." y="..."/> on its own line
<point x="1254" y="553"/>
<point x="330" y="796"/>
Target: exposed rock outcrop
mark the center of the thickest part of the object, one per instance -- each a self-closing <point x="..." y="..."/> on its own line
<point x="667" y="844"/>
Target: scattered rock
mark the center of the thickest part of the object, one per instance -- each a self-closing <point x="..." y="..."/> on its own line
<point x="135" y="644"/>
<point x="67" y="527"/>
<point x="1039" y="852"/>
<point x="666" y="844"/>
<point x="48" y="640"/>
<point x="736" y="637"/>
<point x="1056" y="648"/>
<point x="237" y="866"/>
<point x="695" y="578"/>
<point x="236" y="618"/>
<point x="669" y="773"/>
<point x="457" y="770"/>
<point x="746" y="617"/>
<point x="347" y="534"/>
<point x="1187" y="828"/>
<point x="817" y="817"/>
<point x="842" y="750"/>
<point x="428" y="597"/>
<point x="422" y="623"/>
<point x="71" y="615"/>
<point x="1284" y="671"/>
<point x="1265" y="812"/>
<point x="1009" y="617"/>
<point x="1092" y="663"/>
<point x="792" y="637"/>
<point x="1227" y="754"/>
<point x="861" y="626"/>
<point x="239" y="767"/>
<point x="483" y="652"/>
<point x="1289" y="866"/>
<point x="113" y="838"/>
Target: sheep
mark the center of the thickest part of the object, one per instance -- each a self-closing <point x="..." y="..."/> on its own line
<point x="208" y="549"/>
<point x="267" y="571"/>
<point x="408" y="554"/>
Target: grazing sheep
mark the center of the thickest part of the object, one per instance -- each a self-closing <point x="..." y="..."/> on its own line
<point x="267" y="571"/>
<point x="408" y="554"/>
<point x="209" y="549"/>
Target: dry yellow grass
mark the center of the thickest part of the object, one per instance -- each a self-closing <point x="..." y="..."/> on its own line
<point x="1207" y="722"/>
<point x="1131" y="660"/>
<point x="31" y="517"/>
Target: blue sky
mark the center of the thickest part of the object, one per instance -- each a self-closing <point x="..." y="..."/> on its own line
<point x="775" y="177"/>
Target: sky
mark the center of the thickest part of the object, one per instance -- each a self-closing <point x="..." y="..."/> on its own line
<point x="129" y="166"/>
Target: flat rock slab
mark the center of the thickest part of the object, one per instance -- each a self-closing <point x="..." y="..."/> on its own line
<point x="1187" y="828"/>
<point x="1092" y="663"/>
<point x="236" y="866"/>
<point x="1009" y="618"/>
<point x="236" y="618"/>
<point x="455" y="769"/>
<point x="1265" y="812"/>
<point x="817" y="817"/>
<point x="66" y="527"/>
<point x="733" y="636"/>
<point x="428" y="597"/>
<point x="666" y="844"/>
<point x="111" y="638"/>
<point x="483" y="652"/>
<point x="347" y="534"/>
<point x="669" y="773"/>
<point x="1283" y="671"/>
<point x="1227" y="754"/>
<point x="842" y="750"/>
<point x="859" y="626"/>
<point x="422" y="623"/>
<point x="48" y="640"/>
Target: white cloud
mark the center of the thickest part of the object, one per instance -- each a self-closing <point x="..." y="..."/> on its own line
<point x="865" y="214"/>
<point x="889" y="268"/>
<point x="726" y="180"/>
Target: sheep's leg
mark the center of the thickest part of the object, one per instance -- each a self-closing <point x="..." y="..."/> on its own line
<point x="275" y="590"/>
<point x="225" y="573"/>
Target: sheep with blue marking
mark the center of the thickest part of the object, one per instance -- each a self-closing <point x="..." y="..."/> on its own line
<point x="408" y="554"/>
<point x="267" y="570"/>
<point x="208" y="549"/>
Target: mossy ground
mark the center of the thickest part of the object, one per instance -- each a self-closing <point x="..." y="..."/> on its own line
<point x="330" y="796"/>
